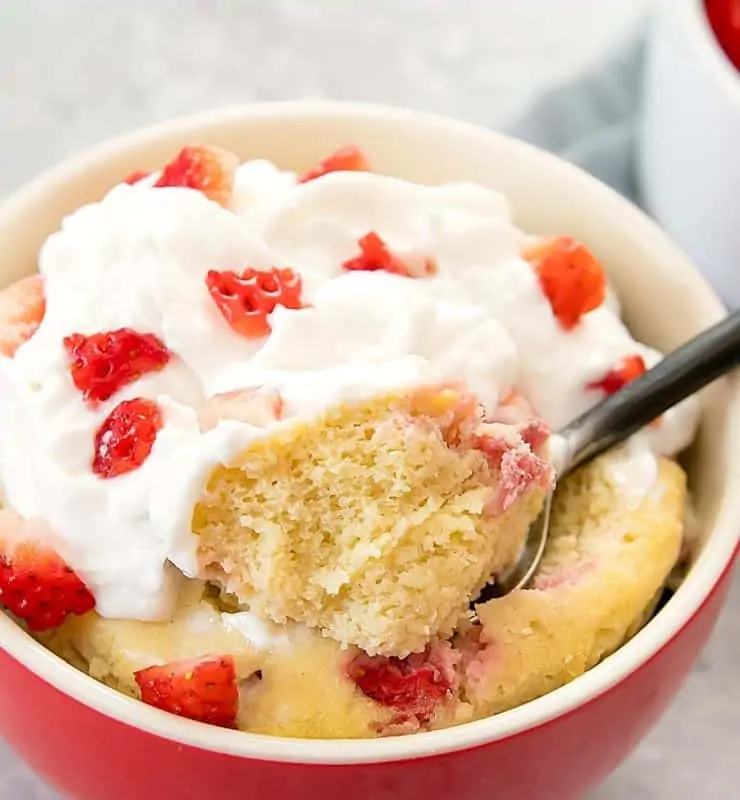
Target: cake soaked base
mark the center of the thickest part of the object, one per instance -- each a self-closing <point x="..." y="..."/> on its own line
<point x="608" y="557"/>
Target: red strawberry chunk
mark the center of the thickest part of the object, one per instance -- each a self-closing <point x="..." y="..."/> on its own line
<point x="103" y="363"/>
<point x="519" y="468"/>
<point x="22" y="308"/>
<point x="571" y="278"/>
<point x="375" y="255"/>
<point x="126" y="437"/>
<point x="521" y="471"/>
<point x="137" y="176"/>
<point x="208" y="169"/>
<point x="201" y="689"/>
<point x="494" y="439"/>
<point x="347" y="159"/>
<point x="246" y="299"/>
<point x="38" y="587"/>
<point x="620" y="375"/>
<point x="413" y="686"/>
<point x="535" y="433"/>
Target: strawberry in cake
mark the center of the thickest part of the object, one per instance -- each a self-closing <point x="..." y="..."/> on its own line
<point x="264" y="488"/>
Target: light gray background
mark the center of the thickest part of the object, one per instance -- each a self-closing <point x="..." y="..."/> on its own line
<point x="73" y="72"/>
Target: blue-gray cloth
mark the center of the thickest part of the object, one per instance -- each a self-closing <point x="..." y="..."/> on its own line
<point x="591" y="120"/>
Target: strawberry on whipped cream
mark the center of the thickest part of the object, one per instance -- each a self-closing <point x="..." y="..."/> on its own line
<point x="213" y="279"/>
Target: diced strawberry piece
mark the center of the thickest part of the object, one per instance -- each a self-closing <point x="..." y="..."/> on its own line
<point x="521" y="472"/>
<point x="620" y="375"/>
<point x="259" y="407"/>
<point x="514" y="410"/>
<point x="22" y="308"/>
<point x="347" y="159"/>
<point x="519" y="468"/>
<point x="493" y="439"/>
<point x="137" y="176"/>
<point x="126" y="437"/>
<point x="208" y="169"/>
<point x="375" y="255"/>
<point x="413" y="686"/>
<point x="571" y="278"/>
<point x="246" y="299"/>
<point x="201" y="689"/>
<point x="103" y="363"/>
<point x="535" y="433"/>
<point x="38" y="587"/>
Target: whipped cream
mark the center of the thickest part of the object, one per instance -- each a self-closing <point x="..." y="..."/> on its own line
<point x="138" y="259"/>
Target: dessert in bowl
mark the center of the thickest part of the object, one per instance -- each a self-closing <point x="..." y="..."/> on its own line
<point x="341" y="387"/>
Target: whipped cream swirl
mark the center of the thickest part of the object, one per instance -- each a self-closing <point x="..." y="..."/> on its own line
<point x="139" y="258"/>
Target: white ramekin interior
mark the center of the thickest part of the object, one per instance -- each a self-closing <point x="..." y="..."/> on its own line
<point x="665" y="300"/>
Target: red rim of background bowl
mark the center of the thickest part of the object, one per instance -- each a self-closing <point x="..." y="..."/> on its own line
<point x="696" y="20"/>
<point x="712" y="564"/>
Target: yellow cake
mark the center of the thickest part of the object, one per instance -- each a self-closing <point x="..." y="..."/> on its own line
<point x="374" y="523"/>
<point x="606" y="560"/>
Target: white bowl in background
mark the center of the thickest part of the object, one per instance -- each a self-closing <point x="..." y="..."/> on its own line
<point x="688" y="141"/>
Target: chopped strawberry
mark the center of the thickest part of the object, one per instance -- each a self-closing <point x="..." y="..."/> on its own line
<point x="38" y="587"/>
<point x="22" y="307"/>
<point x="201" y="689"/>
<point x="347" y="159"/>
<point x="246" y="299"/>
<point x="515" y="410"/>
<point x="413" y="686"/>
<point x="620" y="375"/>
<point x="126" y="437"/>
<point x="571" y="278"/>
<point x="521" y="471"/>
<point x="258" y="407"/>
<point x="375" y="255"/>
<point x="208" y="169"/>
<point x="137" y="176"/>
<point x="103" y="363"/>
<point x="535" y="433"/>
<point x="519" y="468"/>
<point x="493" y="439"/>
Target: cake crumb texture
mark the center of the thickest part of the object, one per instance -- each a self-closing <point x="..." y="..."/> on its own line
<point x="372" y="523"/>
<point x="605" y="564"/>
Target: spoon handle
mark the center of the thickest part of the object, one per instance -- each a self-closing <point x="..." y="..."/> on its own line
<point x="681" y="373"/>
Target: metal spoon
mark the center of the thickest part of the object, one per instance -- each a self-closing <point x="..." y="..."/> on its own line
<point x="686" y="370"/>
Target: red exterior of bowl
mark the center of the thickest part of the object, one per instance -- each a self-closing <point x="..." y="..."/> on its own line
<point x="89" y="756"/>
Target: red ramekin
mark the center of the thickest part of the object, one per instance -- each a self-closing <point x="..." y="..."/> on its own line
<point x="92" y="743"/>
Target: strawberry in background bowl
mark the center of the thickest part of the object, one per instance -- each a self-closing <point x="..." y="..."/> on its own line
<point x="531" y="751"/>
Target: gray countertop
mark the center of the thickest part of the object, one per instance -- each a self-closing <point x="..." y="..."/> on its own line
<point x="78" y="71"/>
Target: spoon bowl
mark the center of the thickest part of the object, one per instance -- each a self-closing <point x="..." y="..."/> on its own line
<point x="680" y="374"/>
